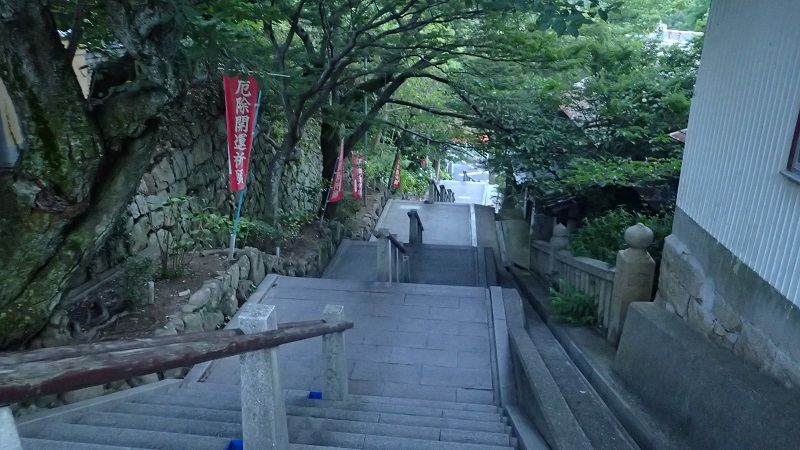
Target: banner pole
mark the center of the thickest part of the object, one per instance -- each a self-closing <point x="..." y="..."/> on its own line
<point x="328" y="195"/>
<point x="232" y="243"/>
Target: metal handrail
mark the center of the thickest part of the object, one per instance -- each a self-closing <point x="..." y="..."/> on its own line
<point x="30" y="374"/>
<point x="397" y="244"/>
<point x="414" y="214"/>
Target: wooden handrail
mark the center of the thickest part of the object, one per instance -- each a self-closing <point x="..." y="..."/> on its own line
<point x="74" y="351"/>
<point x="27" y="375"/>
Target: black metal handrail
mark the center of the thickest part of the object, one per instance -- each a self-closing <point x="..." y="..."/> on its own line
<point x="30" y="374"/>
<point x="413" y="214"/>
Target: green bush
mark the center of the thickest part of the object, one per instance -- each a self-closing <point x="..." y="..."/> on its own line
<point x="602" y="237"/>
<point x="135" y="272"/>
<point x="572" y="306"/>
<point x="256" y="233"/>
<point x="348" y="208"/>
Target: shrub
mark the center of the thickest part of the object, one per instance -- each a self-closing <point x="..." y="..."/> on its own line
<point x="256" y="233"/>
<point x="135" y="272"/>
<point x="602" y="237"/>
<point x="572" y="306"/>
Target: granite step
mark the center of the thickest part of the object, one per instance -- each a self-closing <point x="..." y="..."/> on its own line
<point x="91" y="434"/>
<point x="230" y="401"/>
<point x="46" y="444"/>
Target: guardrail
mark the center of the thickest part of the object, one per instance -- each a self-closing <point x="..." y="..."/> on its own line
<point x="394" y="263"/>
<point x="439" y="194"/>
<point x="30" y="374"/>
<point x="612" y="288"/>
<point x="415" y="228"/>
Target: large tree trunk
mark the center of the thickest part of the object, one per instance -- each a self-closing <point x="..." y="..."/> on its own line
<point x="78" y="166"/>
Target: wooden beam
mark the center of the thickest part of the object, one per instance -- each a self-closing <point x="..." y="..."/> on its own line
<point x="30" y="379"/>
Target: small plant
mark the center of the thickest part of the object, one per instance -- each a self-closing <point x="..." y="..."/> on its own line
<point x="225" y="319"/>
<point x="291" y="221"/>
<point x="257" y="233"/>
<point x="602" y="237"/>
<point x="572" y="306"/>
<point x="187" y="227"/>
<point x="135" y="272"/>
<point x="348" y="208"/>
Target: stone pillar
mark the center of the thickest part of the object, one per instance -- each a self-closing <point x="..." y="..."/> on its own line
<point x="633" y="278"/>
<point x="442" y="193"/>
<point x="559" y="241"/>
<point x="406" y="270"/>
<point x="263" y="405"/>
<point x="9" y="438"/>
<point x="384" y="262"/>
<point x="437" y="168"/>
<point x="335" y="357"/>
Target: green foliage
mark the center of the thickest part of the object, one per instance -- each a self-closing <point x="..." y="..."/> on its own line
<point x="572" y="306"/>
<point x="290" y="223"/>
<point x="602" y="237"/>
<point x="256" y="233"/>
<point x="187" y="228"/>
<point x="413" y="183"/>
<point x="582" y="174"/>
<point x="348" y="208"/>
<point x="134" y="274"/>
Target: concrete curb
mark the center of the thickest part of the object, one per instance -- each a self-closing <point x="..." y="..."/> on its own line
<point x="644" y="429"/>
<point x="537" y="392"/>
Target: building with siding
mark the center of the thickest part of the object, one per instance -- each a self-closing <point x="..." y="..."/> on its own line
<point x="732" y="264"/>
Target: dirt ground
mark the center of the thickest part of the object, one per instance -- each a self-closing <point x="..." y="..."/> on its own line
<point x="102" y="316"/>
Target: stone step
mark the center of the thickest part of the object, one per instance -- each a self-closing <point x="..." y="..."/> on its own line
<point x="47" y="444"/>
<point x="204" y="428"/>
<point x="70" y="432"/>
<point x="302" y="425"/>
<point x="361" y="441"/>
<point x="293" y="394"/>
<point x="186" y="397"/>
<point x="297" y="426"/>
<point x="229" y="416"/>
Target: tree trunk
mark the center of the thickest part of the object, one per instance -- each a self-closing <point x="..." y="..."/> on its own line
<point x="77" y="168"/>
<point x="329" y="143"/>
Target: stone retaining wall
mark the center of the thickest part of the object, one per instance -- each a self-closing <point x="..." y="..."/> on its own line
<point x="191" y="159"/>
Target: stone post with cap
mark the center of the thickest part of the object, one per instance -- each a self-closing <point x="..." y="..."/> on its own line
<point x="559" y="241"/>
<point x="633" y="278"/>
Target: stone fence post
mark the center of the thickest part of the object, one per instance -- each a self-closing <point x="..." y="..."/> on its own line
<point x="633" y="278"/>
<point x="263" y="405"/>
<point x="335" y="357"/>
<point x="432" y="191"/>
<point x="384" y="262"/>
<point x="9" y="438"/>
<point x="559" y="241"/>
<point x="442" y="193"/>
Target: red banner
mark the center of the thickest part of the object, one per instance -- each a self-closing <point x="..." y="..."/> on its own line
<point x="358" y="174"/>
<point x="240" y="111"/>
<point x="335" y="193"/>
<point x="396" y="177"/>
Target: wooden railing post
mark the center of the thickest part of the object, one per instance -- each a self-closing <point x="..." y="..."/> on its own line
<point x="633" y="277"/>
<point x="335" y="357"/>
<point x="263" y="405"/>
<point x="559" y="241"/>
<point x="9" y="438"/>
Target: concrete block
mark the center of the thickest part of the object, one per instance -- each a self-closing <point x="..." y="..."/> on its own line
<point x="719" y="400"/>
<point x="9" y="438"/>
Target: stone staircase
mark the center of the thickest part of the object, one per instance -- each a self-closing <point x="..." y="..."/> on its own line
<point x="198" y="416"/>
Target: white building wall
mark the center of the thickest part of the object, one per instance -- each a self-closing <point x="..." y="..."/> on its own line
<point x="741" y="127"/>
